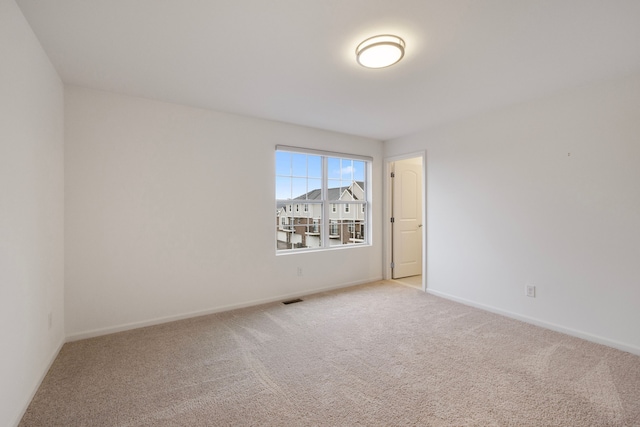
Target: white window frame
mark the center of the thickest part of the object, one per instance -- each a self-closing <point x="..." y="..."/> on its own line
<point x="331" y="206"/>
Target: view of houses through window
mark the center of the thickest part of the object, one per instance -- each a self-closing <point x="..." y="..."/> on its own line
<point x="321" y="200"/>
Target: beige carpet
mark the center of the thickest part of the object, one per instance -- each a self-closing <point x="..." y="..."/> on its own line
<point x="379" y="354"/>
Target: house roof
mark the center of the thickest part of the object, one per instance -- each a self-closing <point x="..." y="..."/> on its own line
<point x="333" y="193"/>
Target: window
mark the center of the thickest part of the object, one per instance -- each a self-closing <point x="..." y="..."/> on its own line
<point x="333" y="231"/>
<point x="332" y="189"/>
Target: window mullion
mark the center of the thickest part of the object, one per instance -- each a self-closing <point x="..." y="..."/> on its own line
<point x="325" y="203"/>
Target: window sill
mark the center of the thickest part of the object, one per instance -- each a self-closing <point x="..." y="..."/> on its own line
<point x="328" y="249"/>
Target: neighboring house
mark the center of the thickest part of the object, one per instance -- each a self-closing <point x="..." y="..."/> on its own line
<point x="299" y="220"/>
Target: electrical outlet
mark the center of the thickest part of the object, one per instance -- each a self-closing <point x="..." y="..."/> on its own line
<point x="530" y="291"/>
<point x="299" y="271"/>
<point x="50" y="320"/>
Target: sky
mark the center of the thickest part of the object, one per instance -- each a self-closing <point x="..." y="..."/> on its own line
<point x="298" y="174"/>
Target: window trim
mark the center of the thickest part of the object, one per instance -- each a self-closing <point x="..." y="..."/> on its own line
<point x="301" y="150"/>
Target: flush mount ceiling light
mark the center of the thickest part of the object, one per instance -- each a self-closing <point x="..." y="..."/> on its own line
<point x="380" y="51"/>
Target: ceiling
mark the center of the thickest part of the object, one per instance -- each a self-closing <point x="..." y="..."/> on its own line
<point x="293" y="60"/>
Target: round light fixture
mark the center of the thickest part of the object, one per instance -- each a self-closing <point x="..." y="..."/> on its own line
<point x="380" y="51"/>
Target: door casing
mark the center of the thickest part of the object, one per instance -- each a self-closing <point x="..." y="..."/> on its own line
<point x="387" y="209"/>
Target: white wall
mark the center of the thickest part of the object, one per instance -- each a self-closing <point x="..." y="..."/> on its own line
<point x="31" y="213"/>
<point x="508" y="206"/>
<point x="170" y="210"/>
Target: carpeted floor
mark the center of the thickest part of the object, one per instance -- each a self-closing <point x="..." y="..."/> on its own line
<point x="371" y="355"/>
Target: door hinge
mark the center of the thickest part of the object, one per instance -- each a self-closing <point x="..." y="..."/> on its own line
<point x="393" y="264"/>
<point x="393" y="174"/>
<point x="393" y="219"/>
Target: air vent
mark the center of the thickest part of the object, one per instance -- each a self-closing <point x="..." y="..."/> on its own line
<point x="292" y="301"/>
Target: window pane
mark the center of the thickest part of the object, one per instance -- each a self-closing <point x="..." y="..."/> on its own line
<point x="315" y="212"/>
<point x="298" y="188"/>
<point x="346" y="190"/>
<point x="284" y="229"/>
<point x="347" y="182"/>
<point x="333" y="168"/>
<point x="299" y="164"/>
<point x="362" y="190"/>
<point x="333" y="192"/>
<point x="314" y="187"/>
<point x="357" y="190"/>
<point x="346" y="170"/>
<point x="299" y="229"/>
<point x="345" y="232"/>
<point x="314" y="165"/>
<point x="350" y="210"/>
<point x="283" y="163"/>
<point x="313" y="237"/>
<point x="283" y="187"/>
<point x="358" y="170"/>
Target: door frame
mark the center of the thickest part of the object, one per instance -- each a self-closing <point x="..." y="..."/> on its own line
<point x="387" y="209"/>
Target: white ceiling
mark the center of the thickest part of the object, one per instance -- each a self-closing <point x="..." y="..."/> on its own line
<point x="293" y="60"/>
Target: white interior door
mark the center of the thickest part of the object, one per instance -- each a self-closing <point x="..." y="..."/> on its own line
<point x="407" y="215"/>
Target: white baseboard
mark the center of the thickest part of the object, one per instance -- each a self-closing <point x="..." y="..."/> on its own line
<point x="36" y="386"/>
<point x="548" y="325"/>
<point x="134" y="325"/>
